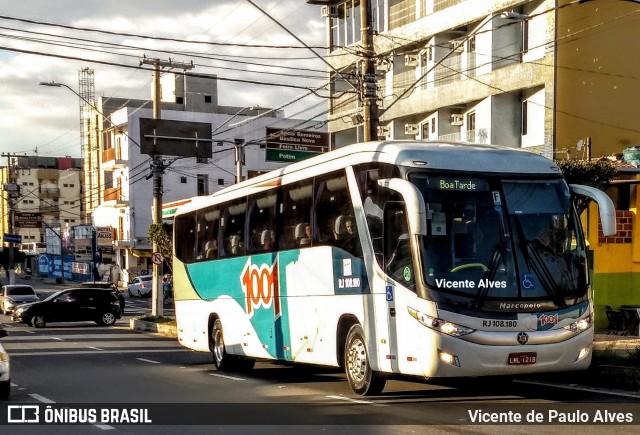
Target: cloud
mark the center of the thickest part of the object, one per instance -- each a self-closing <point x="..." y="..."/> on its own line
<point x="36" y="116"/>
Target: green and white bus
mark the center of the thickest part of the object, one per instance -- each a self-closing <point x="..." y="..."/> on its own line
<point x="414" y="258"/>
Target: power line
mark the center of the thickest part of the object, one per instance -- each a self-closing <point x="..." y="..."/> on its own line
<point x="155" y="38"/>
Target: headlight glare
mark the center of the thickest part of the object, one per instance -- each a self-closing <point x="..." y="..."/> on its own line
<point x="580" y="325"/>
<point x="440" y="325"/>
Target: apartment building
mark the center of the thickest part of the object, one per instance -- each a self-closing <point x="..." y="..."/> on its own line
<point x="48" y="194"/>
<point x="125" y="187"/>
<point x="455" y="70"/>
<point x="543" y="75"/>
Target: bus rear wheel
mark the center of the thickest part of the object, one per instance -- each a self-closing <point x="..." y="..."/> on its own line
<point x="362" y="379"/>
<point x="223" y="361"/>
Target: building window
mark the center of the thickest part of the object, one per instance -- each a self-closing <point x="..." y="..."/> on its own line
<point x="183" y="180"/>
<point x="471" y="121"/>
<point x="207" y="98"/>
<point x="202" y="160"/>
<point x="203" y="184"/>
<point x="524" y="117"/>
<point x="179" y="100"/>
<point x="471" y="44"/>
<point x="525" y="36"/>
<point x="220" y="181"/>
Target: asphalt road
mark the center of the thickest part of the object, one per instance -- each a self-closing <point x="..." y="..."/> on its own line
<point x="114" y="367"/>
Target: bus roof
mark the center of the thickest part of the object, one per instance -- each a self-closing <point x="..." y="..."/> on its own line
<point x="463" y="157"/>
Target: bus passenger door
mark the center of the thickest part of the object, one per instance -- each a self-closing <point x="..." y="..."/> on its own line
<point x="399" y="266"/>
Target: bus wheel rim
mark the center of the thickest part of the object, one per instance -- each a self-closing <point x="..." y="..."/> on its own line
<point x="357" y="361"/>
<point x="218" y="346"/>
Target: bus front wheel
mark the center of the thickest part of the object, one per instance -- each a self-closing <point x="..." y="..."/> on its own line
<point x="362" y="379"/>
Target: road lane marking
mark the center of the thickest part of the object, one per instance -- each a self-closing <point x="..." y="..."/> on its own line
<point x="148" y="360"/>
<point x="40" y="398"/>
<point x="361" y="402"/>
<point x="93" y="352"/>
<point x="233" y="378"/>
<point x="575" y="387"/>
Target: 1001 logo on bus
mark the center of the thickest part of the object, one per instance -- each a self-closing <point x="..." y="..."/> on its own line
<point x="260" y="286"/>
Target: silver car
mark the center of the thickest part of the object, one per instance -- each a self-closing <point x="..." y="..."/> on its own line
<point x="141" y="286"/>
<point x="13" y="296"/>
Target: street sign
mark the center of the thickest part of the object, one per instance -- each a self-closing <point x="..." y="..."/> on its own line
<point x="12" y="238"/>
<point x="27" y="220"/>
<point x="284" y="145"/>
<point x="157" y="258"/>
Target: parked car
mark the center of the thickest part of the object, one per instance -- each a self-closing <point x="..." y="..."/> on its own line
<point x="107" y="285"/>
<point x="141" y="286"/>
<point x="72" y="305"/>
<point x="12" y="296"/>
<point x="5" y="373"/>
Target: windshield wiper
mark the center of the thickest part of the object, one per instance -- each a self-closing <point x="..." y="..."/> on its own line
<point x="537" y="265"/>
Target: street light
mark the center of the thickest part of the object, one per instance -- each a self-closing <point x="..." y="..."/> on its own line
<point x="53" y="84"/>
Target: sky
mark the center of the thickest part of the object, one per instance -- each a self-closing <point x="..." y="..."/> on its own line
<point x="44" y="41"/>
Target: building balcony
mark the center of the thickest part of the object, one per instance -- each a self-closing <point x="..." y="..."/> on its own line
<point x="112" y="159"/>
<point x="402" y="13"/>
<point x="113" y="197"/>
<point x="49" y="209"/>
<point x="123" y="243"/>
<point x="49" y="192"/>
<point x="345" y="103"/>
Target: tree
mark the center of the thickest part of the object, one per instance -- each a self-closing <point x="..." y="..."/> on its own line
<point x="595" y="173"/>
<point x="161" y="234"/>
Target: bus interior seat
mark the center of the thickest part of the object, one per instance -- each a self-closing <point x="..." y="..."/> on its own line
<point x="340" y="228"/>
<point x="236" y="244"/>
<point x="266" y="239"/>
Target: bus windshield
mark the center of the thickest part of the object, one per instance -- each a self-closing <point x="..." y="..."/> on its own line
<point x="496" y="243"/>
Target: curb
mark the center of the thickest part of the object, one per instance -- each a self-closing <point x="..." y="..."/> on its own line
<point x="166" y="329"/>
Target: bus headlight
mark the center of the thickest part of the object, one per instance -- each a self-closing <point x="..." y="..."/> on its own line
<point x="440" y="325"/>
<point x="580" y="325"/>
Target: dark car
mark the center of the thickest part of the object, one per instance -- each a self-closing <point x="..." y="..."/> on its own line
<point x="72" y="305"/>
<point x="108" y="285"/>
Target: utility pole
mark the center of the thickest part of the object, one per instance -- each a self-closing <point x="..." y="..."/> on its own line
<point x="369" y="85"/>
<point x="157" y="167"/>
<point x="238" y="145"/>
<point x="12" y="192"/>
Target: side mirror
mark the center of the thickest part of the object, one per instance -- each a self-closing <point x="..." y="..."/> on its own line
<point x="416" y="209"/>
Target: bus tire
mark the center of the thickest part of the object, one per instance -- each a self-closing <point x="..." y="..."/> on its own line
<point x="221" y="359"/>
<point x="362" y="379"/>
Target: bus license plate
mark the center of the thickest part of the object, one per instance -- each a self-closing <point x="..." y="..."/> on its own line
<point x="521" y="358"/>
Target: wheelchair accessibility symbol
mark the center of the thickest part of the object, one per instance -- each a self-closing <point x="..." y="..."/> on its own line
<point x="528" y="281"/>
<point x="389" y="293"/>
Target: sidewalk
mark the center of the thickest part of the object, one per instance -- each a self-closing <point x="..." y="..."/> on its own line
<point x="618" y="343"/>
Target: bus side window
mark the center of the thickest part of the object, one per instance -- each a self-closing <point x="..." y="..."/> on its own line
<point x="332" y="200"/>
<point x="232" y="229"/>
<point x="294" y="211"/>
<point x="185" y="238"/>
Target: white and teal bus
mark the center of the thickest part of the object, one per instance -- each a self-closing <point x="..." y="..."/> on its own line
<point x="413" y="258"/>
